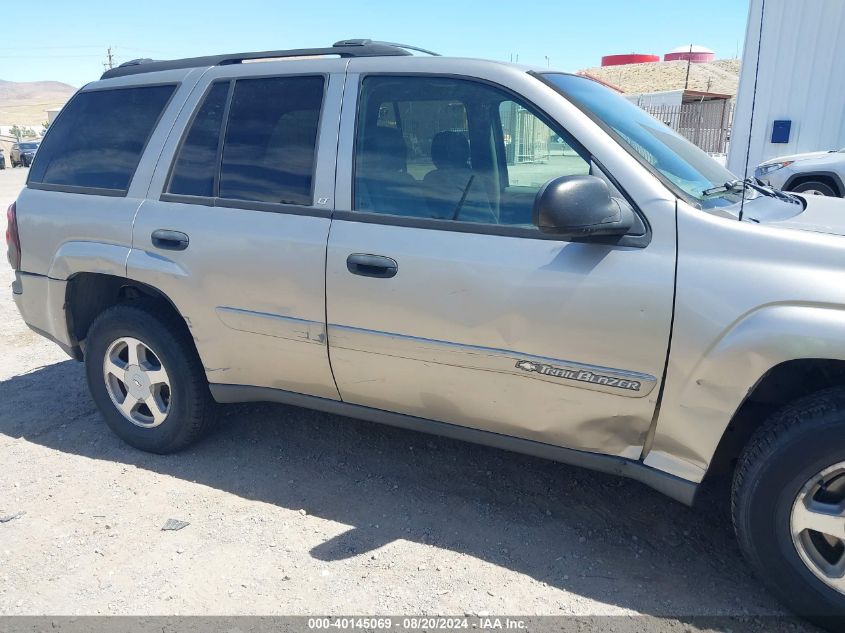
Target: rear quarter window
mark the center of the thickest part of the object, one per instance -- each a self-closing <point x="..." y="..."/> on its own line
<point x="99" y="138"/>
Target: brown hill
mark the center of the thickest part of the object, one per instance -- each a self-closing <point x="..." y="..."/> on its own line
<point x="26" y="103"/>
<point x="721" y="76"/>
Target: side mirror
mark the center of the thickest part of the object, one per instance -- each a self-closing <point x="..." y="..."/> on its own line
<point x="580" y="206"/>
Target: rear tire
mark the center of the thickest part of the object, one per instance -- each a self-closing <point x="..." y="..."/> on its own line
<point x="146" y="377"/>
<point x="815" y="188"/>
<point x="786" y="458"/>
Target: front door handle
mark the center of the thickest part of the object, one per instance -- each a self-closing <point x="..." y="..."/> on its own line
<point x="170" y="240"/>
<point x="372" y="265"/>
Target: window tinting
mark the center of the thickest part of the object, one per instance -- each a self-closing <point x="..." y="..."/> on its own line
<point x="98" y="139"/>
<point x="193" y="172"/>
<point x="453" y="149"/>
<point x="271" y="138"/>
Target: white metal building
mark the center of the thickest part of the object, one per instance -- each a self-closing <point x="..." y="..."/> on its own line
<point x="792" y="82"/>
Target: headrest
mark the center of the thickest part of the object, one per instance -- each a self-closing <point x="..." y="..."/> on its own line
<point x="385" y="148"/>
<point x="449" y="149"/>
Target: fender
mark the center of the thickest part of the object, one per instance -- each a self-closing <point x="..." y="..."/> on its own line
<point x="698" y="407"/>
<point x="88" y="257"/>
<point x="44" y="303"/>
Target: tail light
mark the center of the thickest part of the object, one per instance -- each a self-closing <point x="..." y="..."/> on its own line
<point x="13" y="240"/>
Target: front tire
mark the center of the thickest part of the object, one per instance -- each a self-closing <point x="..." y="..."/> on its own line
<point x="146" y="378"/>
<point x="788" y="504"/>
<point x="815" y="188"/>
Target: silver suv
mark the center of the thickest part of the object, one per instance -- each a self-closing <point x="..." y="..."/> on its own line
<point x="505" y="255"/>
<point x="812" y="173"/>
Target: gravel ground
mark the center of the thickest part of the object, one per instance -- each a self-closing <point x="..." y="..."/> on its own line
<point x="296" y="512"/>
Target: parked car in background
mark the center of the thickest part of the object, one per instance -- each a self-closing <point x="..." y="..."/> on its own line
<point x="813" y="173"/>
<point x="2" y="159"/>
<point x="23" y="152"/>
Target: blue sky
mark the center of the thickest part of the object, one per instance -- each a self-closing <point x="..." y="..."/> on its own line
<point x="66" y="40"/>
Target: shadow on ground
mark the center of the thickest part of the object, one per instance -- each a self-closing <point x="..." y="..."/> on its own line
<point x="592" y="534"/>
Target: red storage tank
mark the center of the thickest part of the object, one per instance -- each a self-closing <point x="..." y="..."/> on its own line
<point x="694" y="54"/>
<point x="631" y="58"/>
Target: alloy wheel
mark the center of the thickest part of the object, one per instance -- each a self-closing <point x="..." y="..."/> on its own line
<point x="818" y="526"/>
<point x="137" y="382"/>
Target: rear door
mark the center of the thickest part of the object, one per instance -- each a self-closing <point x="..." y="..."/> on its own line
<point x="444" y="302"/>
<point x="234" y="231"/>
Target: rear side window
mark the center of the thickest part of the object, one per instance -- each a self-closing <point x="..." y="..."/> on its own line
<point x="99" y="138"/>
<point x="270" y="140"/>
<point x="195" y="167"/>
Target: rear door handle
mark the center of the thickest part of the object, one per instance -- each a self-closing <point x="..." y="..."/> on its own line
<point x="170" y="240"/>
<point x="372" y="265"/>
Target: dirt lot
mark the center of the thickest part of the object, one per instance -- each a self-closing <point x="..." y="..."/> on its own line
<point x="296" y="512"/>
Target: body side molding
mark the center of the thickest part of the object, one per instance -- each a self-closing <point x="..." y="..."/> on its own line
<point x="567" y="373"/>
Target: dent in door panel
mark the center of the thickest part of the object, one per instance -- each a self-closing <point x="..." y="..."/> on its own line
<point x="274" y="325"/>
<point x="491" y="401"/>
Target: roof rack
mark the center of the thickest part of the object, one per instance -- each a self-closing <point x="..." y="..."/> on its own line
<point x="343" y="48"/>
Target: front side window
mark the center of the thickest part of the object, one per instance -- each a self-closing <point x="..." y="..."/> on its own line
<point x="453" y="149"/>
<point x="687" y="167"/>
<point x="196" y="164"/>
<point x="98" y="139"/>
<point x="270" y="141"/>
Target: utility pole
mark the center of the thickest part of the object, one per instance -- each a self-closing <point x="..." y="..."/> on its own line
<point x="108" y="65"/>
<point x="689" y="61"/>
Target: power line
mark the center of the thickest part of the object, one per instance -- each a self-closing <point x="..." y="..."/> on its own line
<point x="15" y="48"/>
<point x="45" y="56"/>
<point x="145" y="50"/>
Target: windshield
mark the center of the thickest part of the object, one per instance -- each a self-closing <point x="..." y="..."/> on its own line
<point x="29" y="145"/>
<point x="685" y="166"/>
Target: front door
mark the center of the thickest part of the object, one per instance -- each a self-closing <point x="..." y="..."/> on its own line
<point x="443" y="300"/>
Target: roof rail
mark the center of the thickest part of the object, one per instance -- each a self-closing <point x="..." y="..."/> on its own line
<point x="343" y="48"/>
<point x="407" y="47"/>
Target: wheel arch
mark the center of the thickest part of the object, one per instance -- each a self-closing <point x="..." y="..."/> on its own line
<point x="769" y="357"/>
<point x="784" y="383"/>
<point x="88" y="294"/>
<point x="828" y="177"/>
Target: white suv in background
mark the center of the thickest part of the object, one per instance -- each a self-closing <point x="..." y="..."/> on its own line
<point x="814" y="173"/>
